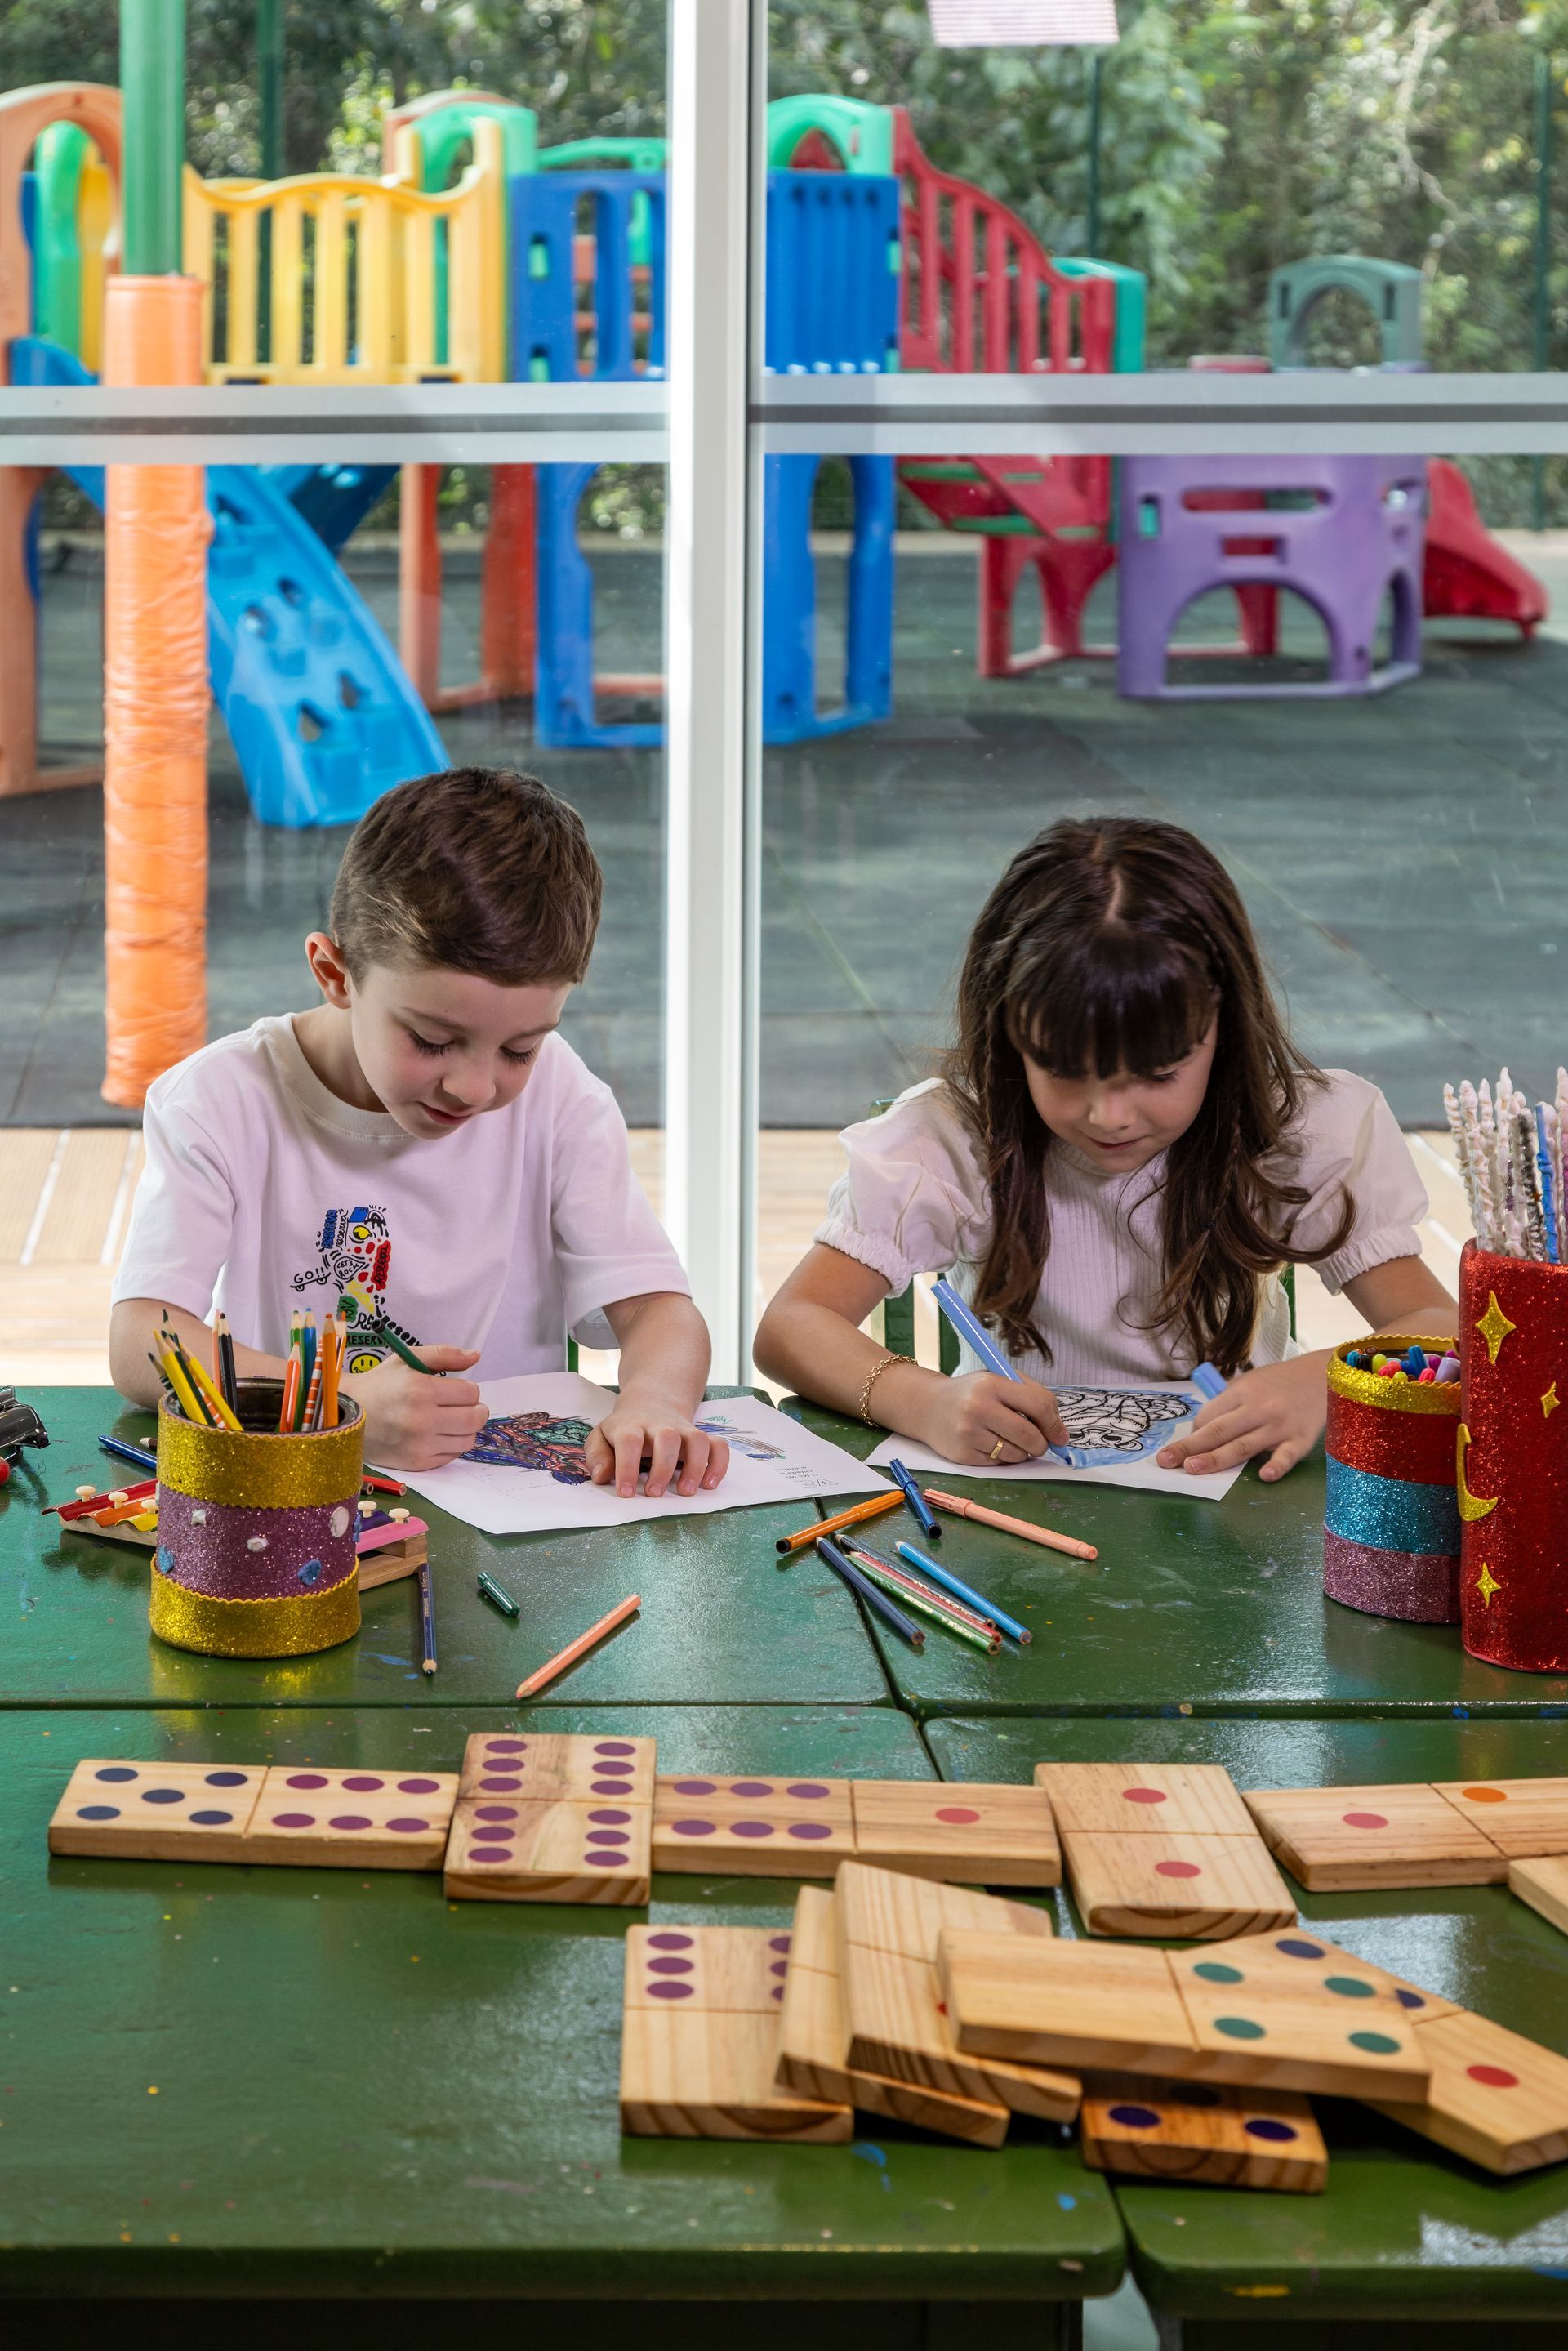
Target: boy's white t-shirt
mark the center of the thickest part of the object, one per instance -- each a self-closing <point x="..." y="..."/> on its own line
<point x="264" y="1193"/>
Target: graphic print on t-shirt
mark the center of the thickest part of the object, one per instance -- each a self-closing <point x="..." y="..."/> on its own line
<point x="353" y="1265"/>
<point x="535" y="1440"/>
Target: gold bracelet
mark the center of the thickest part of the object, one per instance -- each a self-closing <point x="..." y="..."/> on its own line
<point x="872" y="1377"/>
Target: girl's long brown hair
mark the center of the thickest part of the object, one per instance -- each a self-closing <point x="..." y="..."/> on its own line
<point x="1109" y="944"/>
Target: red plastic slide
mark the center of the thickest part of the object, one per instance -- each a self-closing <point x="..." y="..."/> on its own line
<point x="1469" y="575"/>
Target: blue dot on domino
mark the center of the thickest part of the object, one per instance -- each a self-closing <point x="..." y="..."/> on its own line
<point x="1265" y="2127"/>
<point x="1408" y="1999"/>
<point x="163" y="1795"/>
<point x="225" y="1778"/>
<point x="98" y="1812"/>
<point x="211" y="1820"/>
<point x="1135" y="2118"/>
<point x="1295" y="1947"/>
<point x="116" y="1772"/>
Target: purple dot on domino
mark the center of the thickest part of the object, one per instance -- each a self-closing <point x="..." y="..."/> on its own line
<point x="680" y="1787"/>
<point x="305" y="1780"/>
<point x="779" y="1943"/>
<point x="495" y="1811"/>
<point x="491" y="1853"/>
<point x="613" y="1747"/>
<point x="778" y="1967"/>
<point x="349" y="1821"/>
<point x="751" y="1787"/>
<point x="417" y="1787"/>
<point x="501" y="1787"/>
<point x="294" y="1820"/>
<point x="611" y="1788"/>
<point x="410" y="1827"/>
<point x="618" y="1837"/>
<point x="493" y="1834"/>
<point x="608" y="1818"/>
<point x="751" y="1828"/>
<point x="693" y="1828"/>
<point x="666" y="1940"/>
<point x="363" y="1785"/>
<point x="807" y="1788"/>
<point x="810" y="1829"/>
<point x="669" y="1990"/>
<point x="664" y="1967"/>
<point x="505" y="1746"/>
<point x="597" y="1860"/>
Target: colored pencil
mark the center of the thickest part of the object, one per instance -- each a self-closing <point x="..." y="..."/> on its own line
<point x="331" y="1365"/>
<point x="863" y="1551"/>
<point x="427" y="1620"/>
<point x="900" y="1585"/>
<point x="313" y="1392"/>
<point x="579" y="1647"/>
<point x="850" y="1517"/>
<point x="173" y="1372"/>
<point x="1008" y="1624"/>
<point x="228" y="1372"/>
<point x="290" y="1394"/>
<point x="170" y="1343"/>
<point x="307" y="1349"/>
<point x="85" y="1505"/>
<point x="960" y="1509"/>
<point x="878" y="1602"/>
<point x="384" y="1334"/>
<point x="981" y="1341"/>
<point x="382" y="1484"/>
<point x="916" y="1501"/>
<point x="490" y="1590"/>
<point x="122" y="1450"/>
<point x="203" y="1380"/>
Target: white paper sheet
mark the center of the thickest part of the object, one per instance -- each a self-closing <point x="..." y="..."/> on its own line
<point x="544" y="1419"/>
<point x="1116" y="1435"/>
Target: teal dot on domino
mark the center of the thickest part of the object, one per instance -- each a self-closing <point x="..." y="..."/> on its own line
<point x="1348" y="1987"/>
<point x="1377" y="2045"/>
<point x="1214" y="1971"/>
<point x="1242" y="2028"/>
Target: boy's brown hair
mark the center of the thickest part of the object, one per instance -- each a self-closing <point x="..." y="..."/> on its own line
<point x="480" y="870"/>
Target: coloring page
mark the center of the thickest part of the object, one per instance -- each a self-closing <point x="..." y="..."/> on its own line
<point x="1115" y="1435"/>
<point x="524" y="1472"/>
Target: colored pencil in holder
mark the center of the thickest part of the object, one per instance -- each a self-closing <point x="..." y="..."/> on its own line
<point x="203" y="1380"/>
<point x="961" y="1591"/>
<point x="228" y="1370"/>
<point x="173" y="1372"/>
<point x="290" y="1394"/>
<point x="876" y="1600"/>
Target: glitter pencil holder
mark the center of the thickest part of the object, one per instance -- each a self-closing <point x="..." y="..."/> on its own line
<point x="1391" y="1522"/>
<point x="1513" y="1461"/>
<point x="255" y="1551"/>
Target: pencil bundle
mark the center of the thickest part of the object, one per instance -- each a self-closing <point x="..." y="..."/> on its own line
<point x="1511" y="1164"/>
<point x="311" y="1382"/>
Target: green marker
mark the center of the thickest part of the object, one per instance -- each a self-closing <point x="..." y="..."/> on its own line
<point x="492" y="1591"/>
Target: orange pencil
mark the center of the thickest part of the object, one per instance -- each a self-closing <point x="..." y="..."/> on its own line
<point x="290" y="1394"/>
<point x="585" y="1642"/>
<point x="332" y="1348"/>
<point x="852" y="1518"/>
<point x="1069" y="1543"/>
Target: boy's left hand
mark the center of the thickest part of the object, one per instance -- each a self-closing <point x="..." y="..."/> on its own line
<point x="1279" y="1410"/>
<point x="642" y="1425"/>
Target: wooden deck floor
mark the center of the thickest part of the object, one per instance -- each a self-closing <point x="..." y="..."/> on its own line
<point x="64" y="1196"/>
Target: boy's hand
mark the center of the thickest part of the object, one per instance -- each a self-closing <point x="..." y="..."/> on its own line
<point x="983" y="1419"/>
<point x="644" y="1425"/>
<point x="413" y="1422"/>
<point x="1279" y="1410"/>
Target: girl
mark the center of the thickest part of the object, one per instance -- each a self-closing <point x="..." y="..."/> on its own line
<point x="1124" y="1149"/>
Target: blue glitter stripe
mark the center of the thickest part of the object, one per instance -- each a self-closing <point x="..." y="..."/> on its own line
<point x="1390" y="1513"/>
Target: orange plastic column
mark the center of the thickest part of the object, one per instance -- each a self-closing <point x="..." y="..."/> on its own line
<point x="19" y="485"/>
<point x="506" y="636"/>
<point x="156" y="529"/>
<point x="419" y="581"/>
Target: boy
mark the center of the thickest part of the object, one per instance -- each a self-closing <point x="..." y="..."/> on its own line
<point x="423" y="1144"/>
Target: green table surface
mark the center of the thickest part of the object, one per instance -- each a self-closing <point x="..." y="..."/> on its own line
<point x="226" y="2081"/>
<point x="718" y="1624"/>
<point x="1402" y="2228"/>
<point x="1215" y="1608"/>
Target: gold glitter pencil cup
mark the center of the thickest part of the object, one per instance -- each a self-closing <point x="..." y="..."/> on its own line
<point x="255" y="1533"/>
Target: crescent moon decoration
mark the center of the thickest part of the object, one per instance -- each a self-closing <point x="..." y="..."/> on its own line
<point x="1471" y="1506"/>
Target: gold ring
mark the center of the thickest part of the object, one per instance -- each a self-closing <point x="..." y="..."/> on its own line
<point x="998" y="1449"/>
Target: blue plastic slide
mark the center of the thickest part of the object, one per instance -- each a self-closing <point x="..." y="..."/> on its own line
<point x="321" y="716"/>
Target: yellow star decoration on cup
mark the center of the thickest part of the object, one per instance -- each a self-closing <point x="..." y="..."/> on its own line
<point x="1494" y="1326"/>
<point x="1550" y="1402"/>
<point x="1486" y="1584"/>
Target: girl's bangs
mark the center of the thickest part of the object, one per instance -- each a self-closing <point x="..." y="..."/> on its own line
<point x="1109" y="1000"/>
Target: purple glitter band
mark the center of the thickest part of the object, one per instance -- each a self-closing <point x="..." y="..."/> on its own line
<point x="1421" y="1587"/>
<point x="213" y="1557"/>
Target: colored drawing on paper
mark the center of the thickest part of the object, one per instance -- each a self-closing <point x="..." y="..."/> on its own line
<point x="1107" y="1426"/>
<point x="535" y="1440"/>
<point x="741" y="1441"/>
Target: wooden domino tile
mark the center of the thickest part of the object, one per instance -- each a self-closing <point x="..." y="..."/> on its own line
<point x="1203" y="2131"/>
<point x="813" y="2042"/>
<point x="502" y="1850"/>
<point x="1237" y="2017"/>
<point x="1300" y="1954"/>
<point x="1202" y="1887"/>
<point x="1496" y="2098"/>
<point x="1544" y="1885"/>
<point x="1335" y="1839"/>
<point x="1526" y="1820"/>
<point x="990" y="1836"/>
<point x="359" y="1819"/>
<point x="751" y="1825"/>
<point x="542" y="1766"/>
<point x="1143" y="1798"/>
<point x="157" y="1812"/>
<point x="700" y="2034"/>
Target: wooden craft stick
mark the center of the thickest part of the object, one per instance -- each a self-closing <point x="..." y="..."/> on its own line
<point x="1069" y="1543"/>
<point x="869" y="1509"/>
<point x="585" y="1642"/>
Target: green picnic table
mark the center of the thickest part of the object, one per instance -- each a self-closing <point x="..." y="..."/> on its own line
<point x="1215" y="1608"/>
<point x="1408" y="2243"/>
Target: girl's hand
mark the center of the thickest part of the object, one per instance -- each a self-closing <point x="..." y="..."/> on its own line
<point x="641" y="1424"/>
<point x="982" y="1419"/>
<point x="411" y="1421"/>
<point x="1279" y="1410"/>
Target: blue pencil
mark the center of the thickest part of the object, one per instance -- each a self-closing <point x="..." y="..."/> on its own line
<point x="427" y="1621"/>
<point x="878" y="1602"/>
<point x="1548" y="1201"/>
<point x="972" y="1599"/>
<point x="982" y="1341"/>
<point x="917" y="1501"/>
<point x="122" y="1450"/>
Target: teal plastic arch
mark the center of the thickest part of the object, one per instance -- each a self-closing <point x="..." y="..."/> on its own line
<point x="860" y="133"/>
<point x="1391" y="291"/>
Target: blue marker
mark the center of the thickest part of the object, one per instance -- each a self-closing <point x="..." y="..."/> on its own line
<point x="916" y="1501"/>
<point x="1209" y="1381"/>
<point x="983" y="1344"/>
<point x="913" y="1558"/>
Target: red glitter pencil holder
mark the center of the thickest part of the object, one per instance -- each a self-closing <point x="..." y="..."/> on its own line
<point x="1512" y="1461"/>
<point x="1391" y="1524"/>
<point x="255" y="1552"/>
